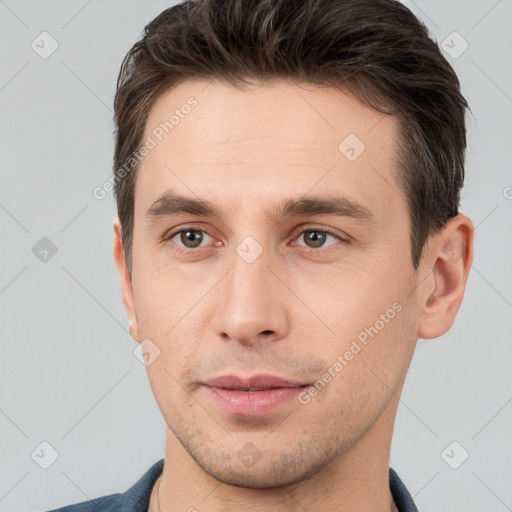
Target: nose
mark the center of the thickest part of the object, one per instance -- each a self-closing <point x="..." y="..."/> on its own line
<point x="251" y="303"/>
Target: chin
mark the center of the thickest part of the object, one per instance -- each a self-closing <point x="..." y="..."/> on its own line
<point x="263" y="478"/>
<point x="266" y="472"/>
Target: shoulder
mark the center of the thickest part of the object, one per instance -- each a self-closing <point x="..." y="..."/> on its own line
<point x="135" y="499"/>
<point x="109" y="503"/>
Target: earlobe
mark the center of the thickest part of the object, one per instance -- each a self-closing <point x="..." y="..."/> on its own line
<point x="125" y="279"/>
<point x="451" y="256"/>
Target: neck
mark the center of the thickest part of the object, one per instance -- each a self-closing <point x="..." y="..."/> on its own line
<point x="355" y="481"/>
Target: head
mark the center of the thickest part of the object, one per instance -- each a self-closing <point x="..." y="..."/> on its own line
<point x="287" y="176"/>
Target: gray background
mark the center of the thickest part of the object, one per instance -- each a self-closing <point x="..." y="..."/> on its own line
<point x="68" y="375"/>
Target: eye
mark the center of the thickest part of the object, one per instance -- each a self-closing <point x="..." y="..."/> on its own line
<point x="315" y="238"/>
<point x="190" y="238"/>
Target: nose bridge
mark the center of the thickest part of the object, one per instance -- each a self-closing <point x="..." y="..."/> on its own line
<point x="248" y="300"/>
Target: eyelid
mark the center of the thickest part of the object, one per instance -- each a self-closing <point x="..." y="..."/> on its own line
<point x="342" y="236"/>
<point x="192" y="227"/>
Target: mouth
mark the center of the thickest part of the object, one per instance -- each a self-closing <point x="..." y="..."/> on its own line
<point x="252" y="384"/>
<point x="253" y="396"/>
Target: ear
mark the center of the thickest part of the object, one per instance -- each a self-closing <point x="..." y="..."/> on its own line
<point x="125" y="278"/>
<point x="449" y="257"/>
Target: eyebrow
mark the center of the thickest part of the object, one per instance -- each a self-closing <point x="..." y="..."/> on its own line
<point x="171" y="203"/>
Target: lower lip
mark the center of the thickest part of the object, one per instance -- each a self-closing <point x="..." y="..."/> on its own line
<point x="256" y="403"/>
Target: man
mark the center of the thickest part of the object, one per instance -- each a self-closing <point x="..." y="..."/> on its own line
<point x="287" y="175"/>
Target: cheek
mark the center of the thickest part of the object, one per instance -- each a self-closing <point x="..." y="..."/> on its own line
<point x="352" y="303"/>
<point x="374" y="334"/>
<point x="162" y="297"/>
<point x="168" y="314"/>
<point x="387" y="344"/>
<point x="368" y="375"/>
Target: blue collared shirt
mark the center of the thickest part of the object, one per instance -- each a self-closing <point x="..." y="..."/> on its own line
<point x="136" y="498"/>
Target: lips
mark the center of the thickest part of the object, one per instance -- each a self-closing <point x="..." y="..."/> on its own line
<point x="254" y="396"/>
<point x="254" y="383"/>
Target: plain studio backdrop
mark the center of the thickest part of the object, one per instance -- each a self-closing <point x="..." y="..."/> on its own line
<point x="70" y="384"/>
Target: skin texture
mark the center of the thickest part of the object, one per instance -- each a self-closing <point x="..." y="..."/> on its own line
<point x="294" y="309"/>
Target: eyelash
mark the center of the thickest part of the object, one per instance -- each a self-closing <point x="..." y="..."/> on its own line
<point x="328" y="231"/>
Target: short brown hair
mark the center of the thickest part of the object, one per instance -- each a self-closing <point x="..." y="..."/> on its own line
<point x="377" y="49"/>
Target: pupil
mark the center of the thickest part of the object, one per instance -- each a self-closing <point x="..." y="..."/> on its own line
<point x="316" y="238"/>
<point x="192" y="237"/>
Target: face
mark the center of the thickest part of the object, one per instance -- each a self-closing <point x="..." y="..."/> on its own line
<point x="296" y="263"/>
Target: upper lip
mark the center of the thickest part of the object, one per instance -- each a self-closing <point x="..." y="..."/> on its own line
<point x="254" y="383"/>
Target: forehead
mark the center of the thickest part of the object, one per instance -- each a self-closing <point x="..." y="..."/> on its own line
<point x="267" y="142"/>
<point x="301" y="113"/>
